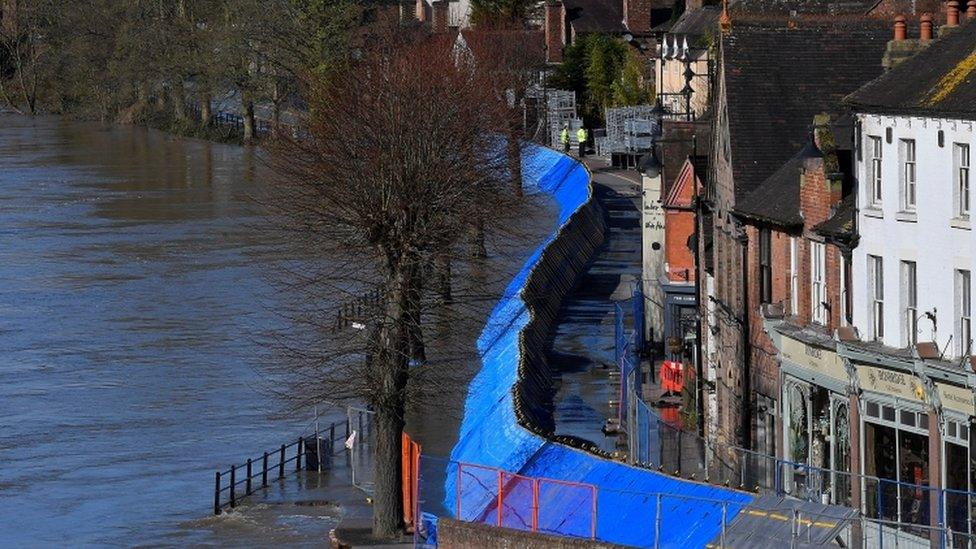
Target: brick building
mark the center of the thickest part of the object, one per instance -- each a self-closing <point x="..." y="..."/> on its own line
<point x="772" y="77"/>
<point x="799" y="225"/>
<point x="566" y="20"/>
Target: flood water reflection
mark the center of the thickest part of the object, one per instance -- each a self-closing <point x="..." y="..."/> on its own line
<point x="135" y="282"/>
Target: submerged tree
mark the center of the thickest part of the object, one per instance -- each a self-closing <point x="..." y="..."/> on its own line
<point x="399" y="162"/>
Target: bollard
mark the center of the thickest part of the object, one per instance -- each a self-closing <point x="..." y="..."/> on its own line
<point x="264" y="471"/>
<point x="247" y="485"/>
<point x="281" y="462"/>
<point x="233" y="482"/>
<point x="298" y="454"/>
<point x="217" y="493"/>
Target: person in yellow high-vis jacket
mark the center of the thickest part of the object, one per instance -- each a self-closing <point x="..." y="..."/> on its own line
<point x="581" y="137"/>
<point x="564" y="138"/>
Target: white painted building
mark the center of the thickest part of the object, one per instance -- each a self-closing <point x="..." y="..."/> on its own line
<point x="912" y="268"/>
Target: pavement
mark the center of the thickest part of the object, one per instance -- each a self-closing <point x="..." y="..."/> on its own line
<point x="582" y="352"/>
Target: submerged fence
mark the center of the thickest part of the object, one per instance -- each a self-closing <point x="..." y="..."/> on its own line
<point x="315" y="453"/>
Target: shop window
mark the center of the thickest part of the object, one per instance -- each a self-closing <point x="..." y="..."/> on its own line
<point x="765" y="266"/>
<point x="798" y="432"/>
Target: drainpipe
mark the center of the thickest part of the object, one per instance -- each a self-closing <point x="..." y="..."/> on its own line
<point x="746" y="377"/>
<point x="699" y="368"/>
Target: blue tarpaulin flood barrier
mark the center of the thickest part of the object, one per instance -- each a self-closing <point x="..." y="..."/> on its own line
<point x="505" y="422"/>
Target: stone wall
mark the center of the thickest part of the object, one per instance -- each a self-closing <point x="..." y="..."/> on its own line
<point x="454" y="534"/>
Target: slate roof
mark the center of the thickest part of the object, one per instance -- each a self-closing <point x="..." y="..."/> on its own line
<point x="698" y="21"/>
<point x="941" y="80"/>
<point x="777" y="200"/>
<point x="777" y="78"/>
<point x="595" y="15"/>
<point x="800" y="7"/>
<point x="839" y="226"/>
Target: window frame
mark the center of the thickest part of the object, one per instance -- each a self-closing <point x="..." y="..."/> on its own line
<point x="818" y="283"/>
<point x="876" y="150"/>
<point x="765" y="265"/>
<point x="909" y="282"/>
<point x="909" y="173"/>
<point x="964" y="304"/>
<point x="876" y="282"/>
<point x="961" y="178"/>
<point x="794" y="276"/>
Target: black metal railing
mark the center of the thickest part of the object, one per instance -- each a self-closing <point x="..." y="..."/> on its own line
<point x="230" y="487"/>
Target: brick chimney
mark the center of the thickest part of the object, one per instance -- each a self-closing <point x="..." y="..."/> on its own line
<point x="440" y="15"/>
<point x="421" y="11"/>
<point x="971" y="10"/>
<point x="693" y="4"/>
<point x="637" y="16"/>
<point x="901" y="47"/>
<point x="555" y="32"/>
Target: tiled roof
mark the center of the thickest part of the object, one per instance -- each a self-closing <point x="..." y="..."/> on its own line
<point x="800" y="7"/>
<point x="777" y="200"/>
<point x="777" y="78"/>
<point x="941" y="80"/>
<point x="595" y="15"/>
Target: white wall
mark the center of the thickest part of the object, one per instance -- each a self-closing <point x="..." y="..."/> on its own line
<point x="929" y="237"/>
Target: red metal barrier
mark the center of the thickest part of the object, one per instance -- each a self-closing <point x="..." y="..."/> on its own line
<point x="492" y="496"/>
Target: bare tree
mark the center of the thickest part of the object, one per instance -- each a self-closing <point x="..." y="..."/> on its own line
<point x="399" y="163"/>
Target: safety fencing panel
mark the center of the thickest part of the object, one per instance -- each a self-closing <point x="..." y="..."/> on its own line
<point x="500" y="498"/>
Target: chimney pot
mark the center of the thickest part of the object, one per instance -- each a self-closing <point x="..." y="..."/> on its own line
<point x="971" y="10"/>
<point x="440" y="15"/>
<point x="900" y="27"/>
<point x="952" y="13"/>
<point x="926" y="33"/>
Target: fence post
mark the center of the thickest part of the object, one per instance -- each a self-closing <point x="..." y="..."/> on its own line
<point x="264" y="471"/>
<point x="217" y="493"/>
<point x="318" y="450"/>
<point x="794" y="528"/>
<point x="725" y="514"/>
<point x="281" y="462"/>
<point x="535" y="505"/>
<point x="332" y="438"/>
<point x="501" y="496"/>
<point x="298" y="454"/>
<point x="247" y="485"/>
<point x="233" y="482"/>
<point x="657" y="523"/>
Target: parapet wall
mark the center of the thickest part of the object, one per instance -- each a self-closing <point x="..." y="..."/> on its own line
<point x="508" y="420"/>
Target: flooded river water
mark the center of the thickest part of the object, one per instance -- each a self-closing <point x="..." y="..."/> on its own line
<point x="135" y="282"/>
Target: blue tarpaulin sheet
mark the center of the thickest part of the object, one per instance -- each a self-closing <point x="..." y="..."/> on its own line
<point x="490" y="434"/>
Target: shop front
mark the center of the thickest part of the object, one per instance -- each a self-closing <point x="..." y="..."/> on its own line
<point x="816" y="421"/>
<point x="958" y="466"/>
<point x="895" y="431"/>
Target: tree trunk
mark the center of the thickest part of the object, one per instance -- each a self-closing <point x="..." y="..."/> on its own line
<point x="247" y="113"/>
<point x="179" y="101"/>
<point x="515" y="160"/>
<point x="442" y="271"/>
<point x="390" y="372"/>
<point x="479" y="251"/>
<point x="205" y="112"/>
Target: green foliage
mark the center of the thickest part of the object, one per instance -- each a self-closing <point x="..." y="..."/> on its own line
<point x="494" y="12"/>
<point x="604" y="72"/>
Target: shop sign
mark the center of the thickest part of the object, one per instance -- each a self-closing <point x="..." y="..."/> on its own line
<point x="955" y="398"/>
<point x="891" y="382"/>
<point x="817" y="359"/>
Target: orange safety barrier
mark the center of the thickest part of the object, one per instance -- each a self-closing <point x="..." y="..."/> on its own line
<point x="492" y="496"/>
<point x="672" y="376"/>
<point x="410" y="463"/>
